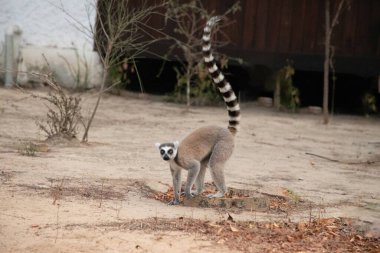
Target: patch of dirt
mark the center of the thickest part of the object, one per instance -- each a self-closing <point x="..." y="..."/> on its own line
<point x="6" y="176"/>
<point x="238" y="200"/>
<point x="322" y="235"/>
<point x="98" y="197"/>
<point x="101" y="189"/>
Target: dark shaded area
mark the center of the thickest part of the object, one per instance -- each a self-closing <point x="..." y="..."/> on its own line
<point x="158" y="77"/>
<point x="349" y="90"/>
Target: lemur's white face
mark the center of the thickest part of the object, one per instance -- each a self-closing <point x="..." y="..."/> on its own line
<point x="168" y="151"/>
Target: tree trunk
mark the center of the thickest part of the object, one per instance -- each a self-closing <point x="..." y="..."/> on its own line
<point x="187" y="91"/>
<point x="87" y="127"/>
<point x="326" y="64"/>
<point x="277" y="92"/>
<point x="188" y="81"/>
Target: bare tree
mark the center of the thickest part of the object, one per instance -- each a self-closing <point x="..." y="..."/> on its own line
<point x="120" y="35"/>
<point x="189" y="19"/>
<point x="329" y="50"/>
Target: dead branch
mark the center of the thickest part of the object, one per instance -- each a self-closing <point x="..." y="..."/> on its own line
<point x="189" y="19"/>
<point x="340" y="161"/>
<point x="118" y="37"/>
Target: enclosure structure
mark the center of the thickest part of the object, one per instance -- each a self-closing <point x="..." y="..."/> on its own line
<point x="269" y="32"/>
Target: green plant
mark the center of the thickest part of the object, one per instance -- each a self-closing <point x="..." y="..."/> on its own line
<point x="369" y="103"/>
<point x="285" y="95"/>
<point x="28" y="149"/>
<point x="120" y="76"/>
<point x="290" y="98"/>
<point x="202" y="91"/>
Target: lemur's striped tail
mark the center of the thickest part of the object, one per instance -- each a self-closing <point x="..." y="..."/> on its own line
<point x="218" y="78"/>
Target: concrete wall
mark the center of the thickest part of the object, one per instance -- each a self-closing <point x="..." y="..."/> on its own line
<point x="46" y="30"/>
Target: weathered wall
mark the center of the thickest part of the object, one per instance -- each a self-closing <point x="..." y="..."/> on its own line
<point x="47" y="30"/>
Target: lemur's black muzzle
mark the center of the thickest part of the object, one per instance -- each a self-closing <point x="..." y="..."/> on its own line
<point x="166" y="158"/>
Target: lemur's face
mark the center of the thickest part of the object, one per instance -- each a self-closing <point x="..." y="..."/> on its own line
<point x="168" y="151"/>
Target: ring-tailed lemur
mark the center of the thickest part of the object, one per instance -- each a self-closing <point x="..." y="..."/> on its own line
<point x="209" y="146"/>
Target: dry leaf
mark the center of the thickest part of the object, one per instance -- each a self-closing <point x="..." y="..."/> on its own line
<point x="359" y="237"/>
<point x="221" y="241"/>
<point x="301" y="226"/>
<point x="233" y="229"/>
<point x="214" y="225"/>
<point x="290" y="238"/>
<point x="328" y="221"/>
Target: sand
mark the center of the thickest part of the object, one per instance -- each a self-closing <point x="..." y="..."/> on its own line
<point x="76" y="197"/>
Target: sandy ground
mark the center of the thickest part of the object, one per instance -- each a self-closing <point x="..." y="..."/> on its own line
<point x="102" y="179"/>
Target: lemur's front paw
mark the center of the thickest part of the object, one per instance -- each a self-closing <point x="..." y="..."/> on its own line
<point x="174" y="202"/>
<point x="190" y="195"/>
<point x="194" y="193"/>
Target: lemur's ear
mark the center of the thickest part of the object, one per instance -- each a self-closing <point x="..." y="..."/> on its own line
<point x="157" y="145"/>
<point x="176" y="144"/>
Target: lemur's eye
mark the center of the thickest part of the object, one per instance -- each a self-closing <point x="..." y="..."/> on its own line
<point x="170" y="152"/>
<point x="162" y="151"/>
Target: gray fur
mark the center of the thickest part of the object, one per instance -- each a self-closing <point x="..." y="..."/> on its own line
<point x="209" y="146"/>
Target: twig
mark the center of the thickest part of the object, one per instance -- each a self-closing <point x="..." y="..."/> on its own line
<point x="57" y="223"/>
<point x="339" y="161"/>
<point x="101" y="194"/>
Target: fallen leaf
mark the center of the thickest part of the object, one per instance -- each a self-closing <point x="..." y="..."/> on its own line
<point x="290" y="238"/>
<point x="301" y="226"/>
<point x="233" y="229"/>
<point x="221" y="241"/>
<point x="359" y="237"/>
<point x="214" y="225"/>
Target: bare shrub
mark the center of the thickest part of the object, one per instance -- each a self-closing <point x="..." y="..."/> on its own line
<point x="64" y="112"/>
<point x="120" y="35"/>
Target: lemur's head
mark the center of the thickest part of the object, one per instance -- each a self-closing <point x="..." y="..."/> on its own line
<point x="168" y="151"/>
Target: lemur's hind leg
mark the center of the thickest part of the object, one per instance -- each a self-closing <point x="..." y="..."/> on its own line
<point x="221" y="153"/>
<point x="199" y="182"/>
<point x="193" y="171"/>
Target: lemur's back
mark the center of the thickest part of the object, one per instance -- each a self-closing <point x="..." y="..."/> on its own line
<point x="200" y="143"/>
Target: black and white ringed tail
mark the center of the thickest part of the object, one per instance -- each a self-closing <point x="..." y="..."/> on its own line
<point x="218" y="78"/>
